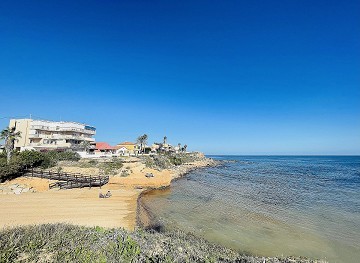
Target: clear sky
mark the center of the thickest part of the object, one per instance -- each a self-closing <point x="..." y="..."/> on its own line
<point x="224" y="77"/>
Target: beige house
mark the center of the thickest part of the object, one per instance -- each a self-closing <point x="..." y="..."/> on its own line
<point x="41" y="134"/>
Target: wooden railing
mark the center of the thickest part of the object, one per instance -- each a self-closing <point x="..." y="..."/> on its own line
<point x="69" y="180"/>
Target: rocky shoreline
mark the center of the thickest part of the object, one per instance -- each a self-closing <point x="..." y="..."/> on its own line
<point x="182" y="170"/>
<point x="144" y="217"/>
<point x="157" y="244"/>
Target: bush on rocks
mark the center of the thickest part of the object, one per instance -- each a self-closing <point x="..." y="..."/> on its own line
<point x="165" y="161"/>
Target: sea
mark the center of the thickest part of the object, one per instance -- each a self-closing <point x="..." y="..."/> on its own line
<point x="269" y="205"/>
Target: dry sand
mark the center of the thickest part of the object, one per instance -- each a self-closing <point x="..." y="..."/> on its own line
<point x="83" y="206"/>
<point x="75" y="206"/>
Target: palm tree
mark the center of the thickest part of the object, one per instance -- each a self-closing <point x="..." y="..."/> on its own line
<point x="86" y="146"/>
<point x="185" y="146"/>
<point x="142" y="140"/>
<point x="9" y="136"/>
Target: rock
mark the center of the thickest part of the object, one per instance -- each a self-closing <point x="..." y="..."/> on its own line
<point x="25" y="190"/>
<point x="14" y="186"/>
<point x="17" y="191"/>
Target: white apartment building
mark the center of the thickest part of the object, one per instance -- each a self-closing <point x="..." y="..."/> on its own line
<point x="41" y="134"/>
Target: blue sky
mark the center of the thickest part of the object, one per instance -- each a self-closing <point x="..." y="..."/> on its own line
<point x="224" y="77"/>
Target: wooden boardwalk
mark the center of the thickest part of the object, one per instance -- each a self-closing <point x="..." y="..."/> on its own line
<point x="69" y="180"/>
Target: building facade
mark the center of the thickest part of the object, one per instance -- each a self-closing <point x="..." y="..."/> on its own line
<point x="47" y="135"/>
<point x="127" y="148"/>
<point x="104" y="148"/>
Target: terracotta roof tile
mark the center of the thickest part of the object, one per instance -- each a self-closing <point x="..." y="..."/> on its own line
<point x="104" y="146"/>
<point x="126" y="143"/>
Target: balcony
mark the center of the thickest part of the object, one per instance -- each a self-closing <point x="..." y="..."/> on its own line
<point x="62" y="137"/>
<point x="77" y="130"/>
<point x="39" y="127"/>
<point x="71" y="137"/>
<point x="35" y="136"/>
<point x="53" y="146"/>
<point x="48" y="128"/>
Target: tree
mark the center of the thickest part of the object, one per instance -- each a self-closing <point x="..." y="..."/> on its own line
<point x="86" y="146"/>
<point x="165" y="139"/>
<point x="179" y="147"/>
<point x="185" y="146"/>
<point x="142" y="140"/>
<point x="9" y="135"/>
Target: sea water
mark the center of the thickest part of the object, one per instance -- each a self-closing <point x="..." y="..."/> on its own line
<point x="270" y="206"/>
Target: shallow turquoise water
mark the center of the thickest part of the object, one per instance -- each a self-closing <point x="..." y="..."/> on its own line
<point x="271" y="206"/>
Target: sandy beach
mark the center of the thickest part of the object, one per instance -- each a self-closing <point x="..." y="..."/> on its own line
<point x="83" y="206"/>
<point x="75" y="206"/>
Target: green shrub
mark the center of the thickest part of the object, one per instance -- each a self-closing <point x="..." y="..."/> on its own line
<point x="112" y="167"/>
<point x="165" y="161"/>
<point x="56" y="156"/>
<point x="11" y="170"/>
<point x="2" y="155"/>
<point x="30" y="158"/>
<point x="67" y="243"/>
<point x="175" y="160"/>
<point x="158" y="162"/>
<point x="125" y="173"/>
<point x="20" y="161"/>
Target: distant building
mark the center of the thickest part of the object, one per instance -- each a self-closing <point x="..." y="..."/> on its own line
<point x="127" y="148"/>
<point x="2" y="148"/>
<point x="104" y="147"/>
<point x="122" y="151"/>
<point x="45" y="135"/>
<point x="155" y="147"/>
<point x="162" y="148"/>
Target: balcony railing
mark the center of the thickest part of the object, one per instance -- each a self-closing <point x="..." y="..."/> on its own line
<point x="48" y="128"/>
<point x="34" y="136"/>
<point x="61" y="137"/>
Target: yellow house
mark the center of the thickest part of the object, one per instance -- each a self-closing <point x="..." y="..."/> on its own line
<point x="131" y="147"/>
